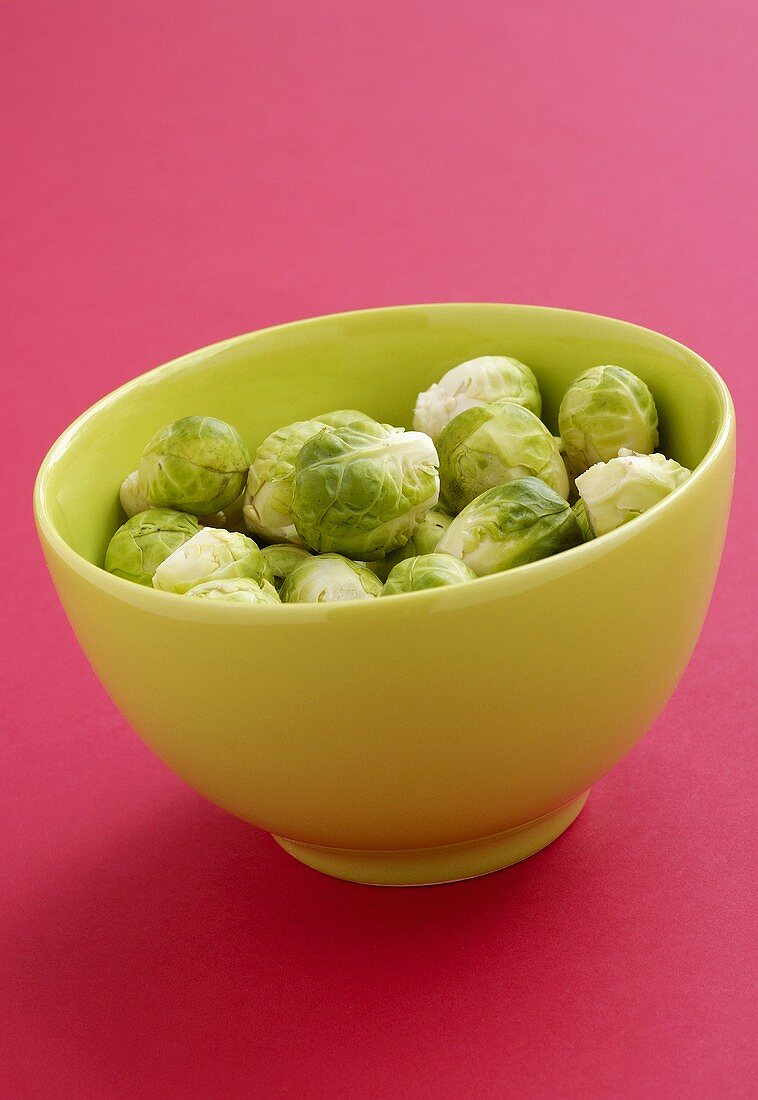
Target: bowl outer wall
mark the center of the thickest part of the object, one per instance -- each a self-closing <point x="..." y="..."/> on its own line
<point x="423" y="720"/>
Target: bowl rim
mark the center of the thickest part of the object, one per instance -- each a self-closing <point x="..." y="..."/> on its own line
<point x="450" y="597"/>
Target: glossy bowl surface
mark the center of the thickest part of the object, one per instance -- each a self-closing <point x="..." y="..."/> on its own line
<point x="417" y="738"/>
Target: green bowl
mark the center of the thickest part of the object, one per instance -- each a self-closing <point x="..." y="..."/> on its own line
<point x="434" y="736"/>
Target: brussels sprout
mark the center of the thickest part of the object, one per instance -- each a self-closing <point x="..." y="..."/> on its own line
<point x="514" y="523"/>
<point x="424" y="539"/>
<point x="476" y="382"/>
<point x="615" y="492"/>
<point x="211" y="555"/>
<point x="197" y="465"/>
<point x="268" y="497"/>
<point x="603" y="410"/>
<point x="580" y="511"/>
<point x="132" y="498"/>
<point x="426" y="534"/>
<point x="360" y="490"/>
<point x="235" y="590"/>
<point x="327" y="578"/>
<point x="426" y="571"/>
<point x="147" y="539"/>
<point x="282" y="558"/>
<point x="340" y="417"/>
<point x="491" y="444"/>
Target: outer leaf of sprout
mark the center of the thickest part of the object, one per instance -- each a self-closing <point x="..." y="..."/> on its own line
<point x="133" y="499"/>
<point x="427" y="534"/>
<point x="282" y="558"/>
<point x="424" y="539"/>
<point x="329" y="578"/>
<point x="512" y="524"/>
<point x="603" y="410"/>
<point x="236" y="590"/>
<point x="580" y="511"/>
<point x="211" y="554"/>
<point x="360" y="490"/>
<point x="197" y="464"/>
<point x="268" y="497"/>
<point x="491" y="444"/>
<point x="617" y="491"/>
<point x="338" y="418"/>
<point x="142" y="543"/>
<point x="426" y="571"/>
<point x="476" y="382"/>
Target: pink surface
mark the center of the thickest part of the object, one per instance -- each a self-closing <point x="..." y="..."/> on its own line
<point x="182" y="172"/>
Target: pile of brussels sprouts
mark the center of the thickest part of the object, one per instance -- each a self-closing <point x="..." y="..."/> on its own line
<point x="347" y="508"/>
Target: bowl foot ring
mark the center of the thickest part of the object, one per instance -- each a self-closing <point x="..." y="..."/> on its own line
<point x="432" y="866"/>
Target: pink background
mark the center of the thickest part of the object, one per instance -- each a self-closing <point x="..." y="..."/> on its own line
<point x="182" y="172"/>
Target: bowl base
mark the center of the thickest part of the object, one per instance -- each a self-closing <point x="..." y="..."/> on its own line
<point x="433" y="866"/>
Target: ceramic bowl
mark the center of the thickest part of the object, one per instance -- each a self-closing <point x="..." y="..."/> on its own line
<point x="426" y="737"/>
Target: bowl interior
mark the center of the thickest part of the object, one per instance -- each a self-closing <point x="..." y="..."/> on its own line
<point x="375" y="360"/>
